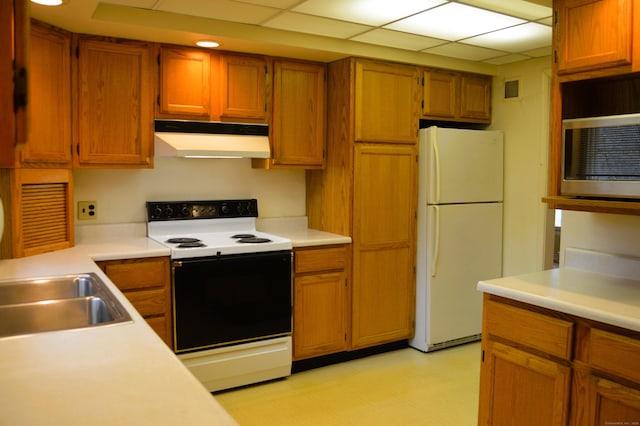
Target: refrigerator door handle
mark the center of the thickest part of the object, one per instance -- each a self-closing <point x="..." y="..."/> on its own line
<point x="436" y="171"/>
<point x="436" y="240"/>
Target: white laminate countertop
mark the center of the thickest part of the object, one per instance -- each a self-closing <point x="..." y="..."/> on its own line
<point x="600" y="297"/>
<point x="110" y="375"/>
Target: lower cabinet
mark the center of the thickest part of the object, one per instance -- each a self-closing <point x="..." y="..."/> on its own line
<point x="146" y="283"/>
<point x="542" y="367"/>
<point x="319" y="301"/>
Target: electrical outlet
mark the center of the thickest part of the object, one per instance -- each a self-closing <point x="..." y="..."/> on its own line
<point x="87" y="210"/>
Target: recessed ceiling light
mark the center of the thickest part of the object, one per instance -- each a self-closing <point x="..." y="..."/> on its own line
<point x="207" y="43"/>
<point x="50" y="2"/>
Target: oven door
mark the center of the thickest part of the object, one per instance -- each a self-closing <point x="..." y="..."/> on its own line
<point x="222" y="300"/>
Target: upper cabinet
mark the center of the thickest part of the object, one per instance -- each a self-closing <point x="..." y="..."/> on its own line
<point x="386" y="102"/>
<point x="456" y="96"/>
<point x="115" y="93"/>
<point x="185" y="83"/>
<point x="243" y="82"/>
<point x="594" y="74"/>
<point x="14" y="36"/>
<point x="49" y="139"/>
<point x="297" y="132"/>
<point x="593" y="34"/>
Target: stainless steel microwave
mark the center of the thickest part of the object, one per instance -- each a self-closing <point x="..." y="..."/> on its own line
<point x="601" y="156"/>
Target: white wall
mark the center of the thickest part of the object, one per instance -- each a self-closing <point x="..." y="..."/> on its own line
<point x="121" y="194"/>
<point x="610" y="233"/>
<point x="525" y="122"/>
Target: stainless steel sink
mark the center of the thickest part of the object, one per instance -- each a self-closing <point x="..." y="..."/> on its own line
<point x="57" y="303"/>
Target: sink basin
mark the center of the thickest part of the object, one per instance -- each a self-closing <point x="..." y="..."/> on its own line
<point x="57" y="303"/>
<point x="46" y="289"/>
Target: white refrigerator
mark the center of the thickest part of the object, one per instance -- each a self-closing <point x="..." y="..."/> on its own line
<point x="460" y="175"/>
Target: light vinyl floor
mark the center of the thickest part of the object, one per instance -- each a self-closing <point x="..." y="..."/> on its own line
<point x="403" y="387"/>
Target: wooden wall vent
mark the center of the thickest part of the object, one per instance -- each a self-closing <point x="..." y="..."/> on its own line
<point x="44" y="214"/>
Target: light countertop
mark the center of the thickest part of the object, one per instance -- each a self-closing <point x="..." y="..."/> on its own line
<point x="117" y="374"/>
<point x="591" y="294"/>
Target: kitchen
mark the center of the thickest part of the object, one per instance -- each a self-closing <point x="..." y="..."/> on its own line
<point x="282" y="193"/>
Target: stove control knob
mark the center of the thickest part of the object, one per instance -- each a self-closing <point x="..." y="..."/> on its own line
<point x="168" y="211"/>
<point x="157" y="212"/>
<point x="225" y="209"/>
<point x="185" y="211"/>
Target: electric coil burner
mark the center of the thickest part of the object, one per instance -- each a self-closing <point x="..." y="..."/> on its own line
<point x="232" y="290"/>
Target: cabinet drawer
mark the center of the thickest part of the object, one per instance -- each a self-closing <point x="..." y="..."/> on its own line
<point x="136" y="274"/>
<point x="614" y="353"/>
<point x="148" y="302"/>
<point x="325" y="259"/>
<point x="537" y="331"/>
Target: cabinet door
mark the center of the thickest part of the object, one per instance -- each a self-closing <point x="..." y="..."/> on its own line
<point x="384" y="243"/>
<point x="519" y="388"/>
<point x="319" y="314"/>
<point x="593" y="34"/>
<point x="243" y="90"/>
<point x="439" y="94"/>
<point x="298" y="129"/>
<point x="386" y="102"/>
<point x="115" y="103"/>
<point x="185" y="82"/>
<point x="49" y="140"/>
<point x="475" y="98"/>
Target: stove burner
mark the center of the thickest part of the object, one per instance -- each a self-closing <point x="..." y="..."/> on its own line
<point x="191" y="244"/>
<point x="243" y="236"/>
<point x="254" y="240"/>
<point x="182" y="240"/>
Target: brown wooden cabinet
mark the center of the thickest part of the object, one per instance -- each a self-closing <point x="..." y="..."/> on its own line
<point x="593" y="34"/>
<point x="146" y="283"/>
<point x="185" y="83"/>
<point x="320" y="305"/>
<point x="544" y="367"/>
<point x="368" y="192"/>
<point x="38" y="211"/>
<point x="594" y="74"/>
<point x="243" y="87"/>
<point x="456" y="96"/>
<point x="298" y="122"/>
<point x="49" y="140"/>
<point x="115" y="98"/>
<point x="385" y="102"/>
<point x="14" y="37"/>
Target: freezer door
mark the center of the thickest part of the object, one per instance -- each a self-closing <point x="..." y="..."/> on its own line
<point x="461" y="166"/>
<point x="464" y="246"/>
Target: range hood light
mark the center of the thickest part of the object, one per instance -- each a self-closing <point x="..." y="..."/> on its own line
<point x="49" y="2"/>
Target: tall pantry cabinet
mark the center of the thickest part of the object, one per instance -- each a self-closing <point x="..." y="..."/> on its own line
<point x="368" y="191"/>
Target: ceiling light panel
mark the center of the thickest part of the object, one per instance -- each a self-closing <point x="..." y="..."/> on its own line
<point x="370" y="12"/>
<point x="515" y="39"/>
<point x="226" y="10"/>
<point x="454" y="21"/>
<point x="141" y="4"/>
<point x="397" y="39"/>
<point x="299" y="22"/>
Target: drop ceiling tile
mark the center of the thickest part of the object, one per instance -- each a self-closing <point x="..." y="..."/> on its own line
<point x="397" y="39"/>
<point x="515" y="39"/>
<point x="299" y="22"/>
<point x="370" y="12"/>
<point x="506" y="59"/>
<point x="520" y="8"/>
<point x="141" y="4"/>
<point x="280" y="4"/>
<point x="226" y="10"/>
<point x="464" y="51"/>
<point x="454" y="21"/>
<point x="546" y="21"/>
<point x="538" y="53"/>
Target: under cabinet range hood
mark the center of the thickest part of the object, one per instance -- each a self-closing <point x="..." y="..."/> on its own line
<point x="211" y="139"/>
